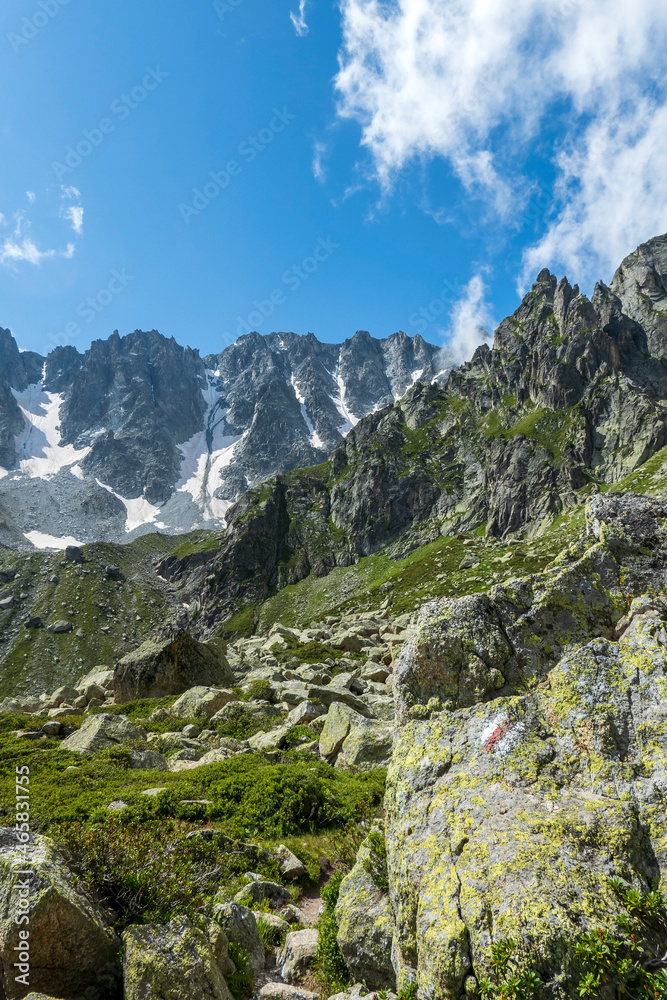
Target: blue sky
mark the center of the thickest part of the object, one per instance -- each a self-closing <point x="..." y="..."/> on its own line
<point x="382" y="166"/>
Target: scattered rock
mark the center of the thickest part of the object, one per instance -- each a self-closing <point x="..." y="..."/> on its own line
<point x="283" y="991"/>
<point x="240" y="926"/>
<point x="61" y="627"/>
<point x="340" y="719"/>
<point x="201" y="703"/>
<point x="260" y="892"/>
<point x="98" y="732"/>
<point x="297" y="954"/>
<point x="290" y="866"/>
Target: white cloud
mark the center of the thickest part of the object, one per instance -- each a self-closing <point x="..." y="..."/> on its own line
<point x="299" y="20"/>
<point x="31" y="196"/>
<point x="470" y="325"/>
<point x="75" y="214"/>
<point x="319" y="149"/>
<point x="484" y="85"/>
<point x="12" y="251"/>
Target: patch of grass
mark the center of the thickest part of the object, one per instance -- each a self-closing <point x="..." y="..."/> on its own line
<point x="271" y="937"/>
<point x="197" y="542"/>
<point x="242" y="724"/>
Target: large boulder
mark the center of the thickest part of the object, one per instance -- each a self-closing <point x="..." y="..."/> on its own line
<point x="158" y="669"/>
<point x="171" y="962"/>
<point x="297" y="954"/>
<point x="510" y="811"/>
<point x="100" y="732"/>
<point x="240" y="926"/>
<point x="71" y="947"/>
<point x="366" y="925"/>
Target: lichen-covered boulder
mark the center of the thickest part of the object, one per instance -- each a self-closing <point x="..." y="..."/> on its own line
<point x="340" y="719"/>
<point x="171" y="962"/>
<point x="297" y="954"/>
<point x="366" y="747"/>
<point x="240" y="926"/>
<point x="366" y="926"/>
<point x="71" y="948"/>
<point x="201" y="703"/>
<point x="157" y="668"/>
<point x="100" y="732"/>
<point x="509" y="816"/>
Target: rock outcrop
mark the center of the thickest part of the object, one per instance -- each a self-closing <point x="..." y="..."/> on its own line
<point x="71" y="947"/>
<point x="511" y="806"/>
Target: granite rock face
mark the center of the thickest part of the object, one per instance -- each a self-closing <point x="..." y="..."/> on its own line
<point x="511" y="807"/>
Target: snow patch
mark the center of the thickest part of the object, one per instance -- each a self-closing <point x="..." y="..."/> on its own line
<point x="206" y="454"/>
<point x="139" y="511"/>
<point x="42" y="541"/>
<point x="40" y="453"/>
<point x="77" y="471"/>
<point x="3" y="473"/>
<point x="417" y="375"/>
<point x="349" y="420"/>
<point x="315" y="438"/>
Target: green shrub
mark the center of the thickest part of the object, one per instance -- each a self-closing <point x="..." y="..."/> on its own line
<point x="241" y="724"/>
<point x="330" y="962"/>
<point x="146" y="874"/>
<point x="376" y="863"/>
<point x="240" y="982"/>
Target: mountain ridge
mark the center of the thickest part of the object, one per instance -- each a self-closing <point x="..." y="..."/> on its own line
<point x="139" y="433"/>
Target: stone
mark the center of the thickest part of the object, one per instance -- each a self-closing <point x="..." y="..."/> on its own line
<point x="171" y="962"/>
<point x="297" y="954"/>
<point x="201" y="703"/>
<point x="158" y="669"/>
<point x="71" y="946"/>
<point x="366" y="926"/>
<point x="101" y="676"/>
<point x="63" y="695"/>
<point x="304" y="713"/>
<point x="60" y="627"/>
<point x="116" y="806"/>
<point x="190" y="731"/>
<point x="240" y="926"/>
<point x="290" y="866"/>
<point x="340" y="719"/>
<point x="367" y="746"/>
<point x="350" y="642"/>
<point x="99" y="732"/>
<point x="284" y="991"/>
<point x="220" y="947"/>
<point x="64" y="711"/>
<point x="148" y="760"/>
<point x="263" y="892"/>
<point x="51" y="728"/>
<point x="273" y="740"/>
<point x="152" y="792"/>
<point x="273" y="920"/>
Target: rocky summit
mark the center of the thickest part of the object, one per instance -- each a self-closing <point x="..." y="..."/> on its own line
<point x="139" y="434"/>
<point x="398" y="731"/>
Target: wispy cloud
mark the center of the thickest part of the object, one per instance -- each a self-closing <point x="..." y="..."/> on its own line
<point x="31" y="196"/>
<point x="475" y="83"/>
<point x="12" y="251"/>
<point x="299" y="20"/>
<point x="319" y="149"/>
<point x="75" y="214"/>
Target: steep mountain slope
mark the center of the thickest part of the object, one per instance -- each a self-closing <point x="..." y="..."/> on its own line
<point x="141" y="434"/>
<point x="572" y="396"/>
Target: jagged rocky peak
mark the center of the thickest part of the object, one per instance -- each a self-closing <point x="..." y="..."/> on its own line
<point x="139" y="433"/>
